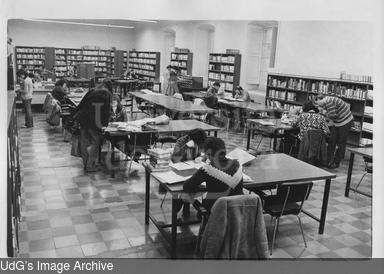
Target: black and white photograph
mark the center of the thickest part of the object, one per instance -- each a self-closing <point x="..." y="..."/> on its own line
<point x="191" y="136"/>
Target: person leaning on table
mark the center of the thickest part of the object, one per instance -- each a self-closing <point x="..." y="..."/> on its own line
<point x="340" y="114"/>
<point x="223" y="176"/>
<point x="188" y="146"/>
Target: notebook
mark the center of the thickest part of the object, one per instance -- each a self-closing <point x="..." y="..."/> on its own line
<point x="170" y="177"/>
<point x="180" y="166"/>
<point x="266" y="122"/>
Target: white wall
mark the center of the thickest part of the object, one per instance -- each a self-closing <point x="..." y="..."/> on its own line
<point x="29" y="33"/>
<point x="326" y="48"/>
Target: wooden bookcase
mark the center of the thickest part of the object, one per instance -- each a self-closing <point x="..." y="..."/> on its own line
<point x="145" y="63"/>
<point x="291" y="91"/>
<point x="30" y="58"/>
<point x="224" y="68"/>
<point x="182" y="61"/>
<point x="56" y="62"/>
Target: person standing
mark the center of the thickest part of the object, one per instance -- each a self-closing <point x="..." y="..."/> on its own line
<point x="241" y="95"/>
<point x="93" y="114"/>
<point x="26" y="97"/>
<point x="340" y="114"/>
<point x="172" y="87"/>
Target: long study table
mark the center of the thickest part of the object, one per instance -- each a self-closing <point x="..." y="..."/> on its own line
<point x="265" y="170"/>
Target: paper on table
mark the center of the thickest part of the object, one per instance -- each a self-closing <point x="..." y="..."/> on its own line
<point x="265" y="122"/>
<point x="242" y="156"/>
<point x="180" y="166"/>
<point x="170" y="177"/>
<point x="246" y="178"/>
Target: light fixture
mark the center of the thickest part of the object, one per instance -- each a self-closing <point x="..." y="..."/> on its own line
<point x="80" y="23"/>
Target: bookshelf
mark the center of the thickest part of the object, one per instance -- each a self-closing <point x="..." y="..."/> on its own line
<point x="291" y="91"/>
<point x="224" y="68"/>
<point x="182" y="61"/>
<point x="145" y="63"/>
<point x="60" y="60"/>
<point x="30" y="58"/>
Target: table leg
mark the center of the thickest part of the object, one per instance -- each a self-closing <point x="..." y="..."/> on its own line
<point x="112" y="162"/>
<point x="215" y="133"/>
<point x="324" y="205"/>
<point x="147" y="191"/>
<point x="349" y="174"/>
<point x="248" y="137"/>
<point x="174" y="229"/>
<point x="132" y="109"/>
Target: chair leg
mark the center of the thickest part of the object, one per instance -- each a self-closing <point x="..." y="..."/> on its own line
<point x="302" y="232"/>
<point x="162" y="201"/>
<point x="200" y="233"/>
<point x="274" y="234"/>
<point x="360" y="180"/>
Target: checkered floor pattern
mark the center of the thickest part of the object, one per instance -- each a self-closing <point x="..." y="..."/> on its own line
<point x="69" y="213"/>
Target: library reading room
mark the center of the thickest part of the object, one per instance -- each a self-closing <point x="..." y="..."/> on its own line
<point x="194" y="139"/>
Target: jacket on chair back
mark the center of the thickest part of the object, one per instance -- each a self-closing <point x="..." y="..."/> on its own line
<point x="313" y="148"/>
<point x="235" y="229"/>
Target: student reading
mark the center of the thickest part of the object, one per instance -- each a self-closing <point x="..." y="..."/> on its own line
<point x="188" y="147"/>
<point x="223" y="176"/>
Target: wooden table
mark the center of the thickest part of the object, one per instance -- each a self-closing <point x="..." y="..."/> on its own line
<point x="363" y="151"/>
<point x="277" y="125"/>
<point x="275" y="169"/>
<point x="174" y="127"/>
<point x="175" y="106"/>
<point x="265" y="170"/>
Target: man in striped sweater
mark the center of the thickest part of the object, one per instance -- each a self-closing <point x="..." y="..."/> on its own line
<point x="340" y="114"/>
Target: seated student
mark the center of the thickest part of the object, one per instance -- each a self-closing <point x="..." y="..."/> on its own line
<point x="188" y="146"/>
<point x="210" y="98"/>
<point x="118" y="114"/>
<point x="242" y="95"/>
<point x="310" y="119"/>
<point x="223" y="176"/>
<point x="60" y="91"/>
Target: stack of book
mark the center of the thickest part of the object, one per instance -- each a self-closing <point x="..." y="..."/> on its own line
<point x="159" y="159"/>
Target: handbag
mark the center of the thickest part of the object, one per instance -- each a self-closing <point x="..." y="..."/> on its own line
<point x="75" y="150"/>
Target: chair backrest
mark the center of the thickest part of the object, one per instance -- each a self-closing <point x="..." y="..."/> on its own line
<point x="293" y="192"/>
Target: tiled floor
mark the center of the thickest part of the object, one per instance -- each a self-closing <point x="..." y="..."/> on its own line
<point x="67" y="213"/>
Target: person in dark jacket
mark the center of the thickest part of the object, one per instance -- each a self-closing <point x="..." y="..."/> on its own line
<point x="188" y="146"/>
<point x="223" y="176"/>
<point x="60" y="91"/>
<point x="93" y="115"/>
<point x="210" y="98"/>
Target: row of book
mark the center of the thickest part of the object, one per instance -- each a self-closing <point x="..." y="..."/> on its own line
<point x="276" y="94"/>
<point x="30" y="56"/>
<point x="273" y="82"/>
<point x="59" y="51"/>
<point x="179" y="64"/>
<point x="227" y="68"/>
<point x="353" y="93"/>
<point x="222" y="59"/>
<point x="225" y="86"/>
<point x="78" y="57"/>
<point x="367" y="126"/>
<point x="291" y="96"/>
<point x="357" y="78"/>
<point x="60" y="63"/>
<point x="142" y="55"/>
<point x="222" y="77"/>
<point x="145" y="72"/>
<point x="31" y="62"/>
<point x="179" y="56"/>
<point x="143" y="61"/>
<point x="94" y="58"/>
<point x="365" y="142"/>
<point x="140" y="66"/>
<point x="30" y="50"/>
